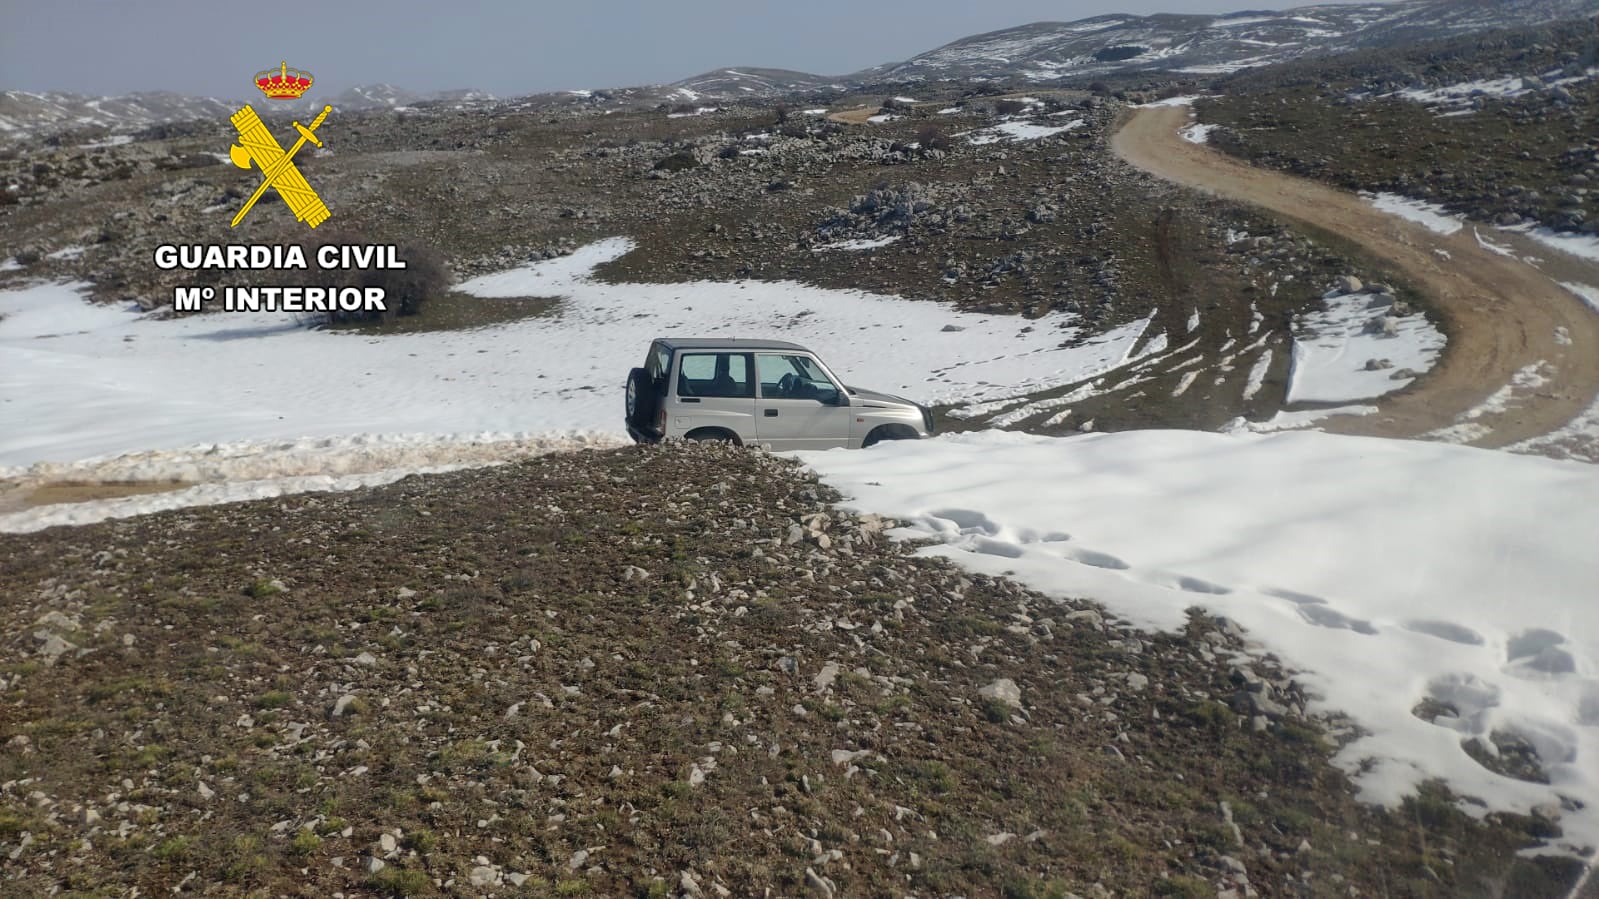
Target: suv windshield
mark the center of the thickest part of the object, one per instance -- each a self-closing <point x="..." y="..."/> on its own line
<point x="794" y="378"/>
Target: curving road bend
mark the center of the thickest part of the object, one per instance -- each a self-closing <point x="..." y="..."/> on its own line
<point x="1501" y="313"/>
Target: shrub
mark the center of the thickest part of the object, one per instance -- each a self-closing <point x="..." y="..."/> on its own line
<point x="406" y="289"/>
<point x="681" y="161"/>
<point x="933" y="137"/>
<point x="1009" y="107"/>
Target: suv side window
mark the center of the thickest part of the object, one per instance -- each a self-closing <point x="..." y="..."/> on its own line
<point x="716" y="375"/>
<point x="659" y="363"/>
<point x="786" y="377"/>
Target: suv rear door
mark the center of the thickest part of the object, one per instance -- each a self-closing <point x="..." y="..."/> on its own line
<point x="714" y="390"/>
<point x="799" y="404"/>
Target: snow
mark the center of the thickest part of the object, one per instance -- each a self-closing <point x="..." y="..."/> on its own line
<point x="1198" y="133"/>
<point x="1429" y="215"/>
<point x="906" y="100"/>
<point x="1467" y="428"/>
<point x="10" y="264"/>
<point x="859" y="243"/>
<point x="1579" y="439"/>
<point x="697" y="112"/>
<point x="72" y="252"/>
<point x="115" y="140"/>
<point x="1583" y="246"/>
<point x="1018" y="131"/>
<point x="950" y="110"/>
<point x="822" y="110"/>
<point x="1290" y="421"/>
<point x="880" y="118"/>
<point x="1169" y="101"/>
<point x="228" y="473"/>
<point x="1402" y="570"/>
<point x="1257" y="375"/>
<point x="1492" y="247"/>
<point x="1589" y="295"/>
<point x="1511" y="86"/>
<point x="80" y="380"/>
<point x="1332" y="347"/>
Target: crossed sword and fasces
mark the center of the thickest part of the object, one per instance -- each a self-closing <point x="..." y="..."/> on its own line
<point x="277" y="167"/>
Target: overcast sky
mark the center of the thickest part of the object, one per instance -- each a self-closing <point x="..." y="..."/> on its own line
<point x="508" y="47"/>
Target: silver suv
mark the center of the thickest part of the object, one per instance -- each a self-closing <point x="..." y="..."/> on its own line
<point x="764" y="393"/>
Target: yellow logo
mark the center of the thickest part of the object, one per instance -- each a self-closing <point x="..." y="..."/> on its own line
<point x="256" y="144"/>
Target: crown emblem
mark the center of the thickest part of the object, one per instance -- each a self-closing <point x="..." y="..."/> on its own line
<point x="284" y="84"/>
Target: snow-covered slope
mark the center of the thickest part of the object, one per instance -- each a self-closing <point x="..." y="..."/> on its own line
<point x="750" y="81"/>
<point x="23" y="113"/>
<point x="1203" y="44"/>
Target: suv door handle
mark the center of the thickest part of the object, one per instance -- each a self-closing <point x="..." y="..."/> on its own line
<point x="770" y="413"/>
<point x="688" y="399"/>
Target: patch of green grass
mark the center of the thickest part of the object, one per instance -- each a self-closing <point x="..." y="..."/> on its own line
<point x="393" y="881"/>
<point x="172" y="849"/>
<point x="138" y="686"/>
<point x="261" y="589"/>
<point x="273" y="699"/>
<point x="973" y="626"/>
<point x="305" y="842"/>
<point x="934" y="775"/>
<point x="1184" y="887"/>
<point x="1048" y="888"/>
<point x="996" y="711"/>
<point x="572" y="887"/>
<point x="1210" y="713"/>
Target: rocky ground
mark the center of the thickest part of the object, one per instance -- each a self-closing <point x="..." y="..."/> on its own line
<point x="1530" y="158"/>
<point x="657" y="671"/>
<point x="953" y="211"/>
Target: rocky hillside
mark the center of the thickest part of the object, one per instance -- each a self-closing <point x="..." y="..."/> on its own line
<point x="988" y="204"/>
<point x="1038" y="53"/>
<point x="24" y="114"/>
<point x="1202" y="44"/>
<point x="1497" y="127"/>
<point x="670" y="671"/>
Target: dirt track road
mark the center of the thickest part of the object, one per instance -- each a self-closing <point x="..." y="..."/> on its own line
<point x="1501" y="313"/>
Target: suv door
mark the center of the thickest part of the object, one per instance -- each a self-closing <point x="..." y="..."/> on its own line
<point x="800" y="406"/>
<point x="714" y="390"/>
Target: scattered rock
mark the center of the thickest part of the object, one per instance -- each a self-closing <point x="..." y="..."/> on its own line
<point x="1005" y="690"/>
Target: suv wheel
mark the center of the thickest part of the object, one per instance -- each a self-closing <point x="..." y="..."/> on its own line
<point x="642" y="399"/>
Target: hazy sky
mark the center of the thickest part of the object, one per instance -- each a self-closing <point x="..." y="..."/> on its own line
<point x="504" y="46"/>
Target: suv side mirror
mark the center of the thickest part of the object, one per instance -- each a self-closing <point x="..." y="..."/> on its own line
<point x="835" y="398"/>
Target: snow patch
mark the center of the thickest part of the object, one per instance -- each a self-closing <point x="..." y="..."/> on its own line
<point x="1583" y="246"/>
<point x="1429" y="215"/>
<point x="1382" y="578"/>
<point x="859" y="243"/>
<point x="1016" y="131"/>
<point x="1332" y="348"/>
<point x="1589" y="295"/>
<point x="87" y="380"/>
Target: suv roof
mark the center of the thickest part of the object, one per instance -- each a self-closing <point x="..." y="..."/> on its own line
<point x="702" y="343"/>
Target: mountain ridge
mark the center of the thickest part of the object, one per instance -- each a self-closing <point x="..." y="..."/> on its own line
<point x="1042" y="53"/>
